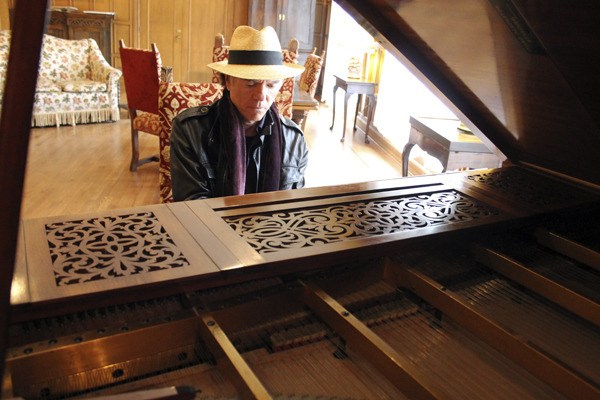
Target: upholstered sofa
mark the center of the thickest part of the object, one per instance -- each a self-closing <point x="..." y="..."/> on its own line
<point x="75" y="83"/>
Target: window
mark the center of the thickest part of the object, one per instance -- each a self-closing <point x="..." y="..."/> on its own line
<point x="400" y="93"/>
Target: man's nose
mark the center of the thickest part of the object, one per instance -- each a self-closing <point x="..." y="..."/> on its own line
<point x="260" y="91"/>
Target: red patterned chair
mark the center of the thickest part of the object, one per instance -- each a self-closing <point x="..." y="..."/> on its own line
<point x="142" y="72"/>
<point x="285" y="97"/>
<point x="173" y="98"/>
<point x="307" y="83"/>
<point x="220" y="53"/>
<point x="312" y="71"/>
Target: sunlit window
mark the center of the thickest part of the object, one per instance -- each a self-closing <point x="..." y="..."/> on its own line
<point x="400" y="93"/>
<point x="400" y="96"/>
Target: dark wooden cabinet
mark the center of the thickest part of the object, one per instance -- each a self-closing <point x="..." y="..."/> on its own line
<point x="71" y="23"/>
<point x="305" y="20"/>
<point x="290" y="18"/>
<point x="83" y="25"/>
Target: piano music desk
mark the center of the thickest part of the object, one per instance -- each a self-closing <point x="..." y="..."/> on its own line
<point x="355" y="86"/>
<point x="442" y="139"/>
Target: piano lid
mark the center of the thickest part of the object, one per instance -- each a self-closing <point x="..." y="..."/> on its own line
<point x="525" y="74"/>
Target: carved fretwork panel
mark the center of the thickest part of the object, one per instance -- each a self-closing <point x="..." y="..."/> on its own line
<point x="530" y="188"/>
<point x="308" y="227"/>
<point x="108" y="247"/>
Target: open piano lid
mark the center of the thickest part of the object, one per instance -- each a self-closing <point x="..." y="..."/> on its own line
<point x="525" y="74"/>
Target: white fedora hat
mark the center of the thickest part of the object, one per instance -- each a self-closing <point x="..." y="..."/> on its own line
<point x="255" y="54"/>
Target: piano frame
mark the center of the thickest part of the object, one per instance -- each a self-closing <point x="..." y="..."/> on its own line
<point x="71" y="264"/>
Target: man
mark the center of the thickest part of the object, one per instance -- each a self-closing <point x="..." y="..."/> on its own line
<point x="240" y="144"/>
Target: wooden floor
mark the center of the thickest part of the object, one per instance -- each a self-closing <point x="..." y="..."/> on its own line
<point x="81" y="169"/>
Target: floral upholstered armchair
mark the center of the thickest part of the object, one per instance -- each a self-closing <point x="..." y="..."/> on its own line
<point x="173" y="98"/>
<point x="75" y="83"/>
<point x="285" y="97"/>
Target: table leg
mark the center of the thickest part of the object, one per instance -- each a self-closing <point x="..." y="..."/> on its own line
<point x="346" y="97"/>
<point x="303" y="124"/>
<point x="333" y="119"/>
<point x="405" y="153"/>
<point x="356" y="112"/>
<point x="370" y="115"/>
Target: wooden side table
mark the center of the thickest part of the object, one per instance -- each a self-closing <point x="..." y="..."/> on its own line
<point x="442" y="139"/>
<point x="355" y="86"/>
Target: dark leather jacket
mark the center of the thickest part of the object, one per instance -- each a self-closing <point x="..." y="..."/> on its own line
<point x="195" y="153"/>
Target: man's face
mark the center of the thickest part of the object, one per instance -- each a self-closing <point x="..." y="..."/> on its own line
<point x="252" y="98"/>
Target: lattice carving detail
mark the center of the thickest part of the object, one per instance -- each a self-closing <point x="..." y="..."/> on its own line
<point x="110" y="247"/>
<point x="533" y="189"/>
<point x="304" y="228"/>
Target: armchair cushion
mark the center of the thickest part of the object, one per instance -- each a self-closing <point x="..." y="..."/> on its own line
<point x="46" y="85"/>
<point x="147" y="122"/>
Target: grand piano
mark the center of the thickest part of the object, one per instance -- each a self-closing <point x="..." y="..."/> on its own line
<point x="465" y="285"/>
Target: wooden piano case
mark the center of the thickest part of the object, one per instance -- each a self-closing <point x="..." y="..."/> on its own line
<point x="299" y="293"/>
<point x="476" y="284"/>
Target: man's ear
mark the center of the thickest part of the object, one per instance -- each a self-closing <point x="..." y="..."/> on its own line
<point x="227" y="80"/>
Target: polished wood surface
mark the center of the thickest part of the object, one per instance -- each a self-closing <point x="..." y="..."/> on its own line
<point x="76" y="24"/>
<point x="454" y="148"/>
<point x="184" y="32"/>
<point x="15" y="125"/>
<point x="217" y="241"/>
<point x="85" y="168"/>
<point x="353" y="330"/>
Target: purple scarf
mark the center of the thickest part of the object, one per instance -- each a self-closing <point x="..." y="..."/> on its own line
<point x="233" y="151"/>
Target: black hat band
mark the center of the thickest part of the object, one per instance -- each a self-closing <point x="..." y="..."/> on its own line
<point x="255" y="57"/>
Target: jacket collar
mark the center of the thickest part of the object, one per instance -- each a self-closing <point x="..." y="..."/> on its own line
<point x="264" y="126"/>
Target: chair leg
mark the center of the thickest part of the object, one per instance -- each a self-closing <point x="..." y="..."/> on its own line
<point x="135" y="150"/>
<point x="146" y="160"/>
<point x="135" y="153"/>
<point x="303" y="125"/>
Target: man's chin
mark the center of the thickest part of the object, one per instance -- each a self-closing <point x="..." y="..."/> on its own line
<point x="255" y="116"/>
